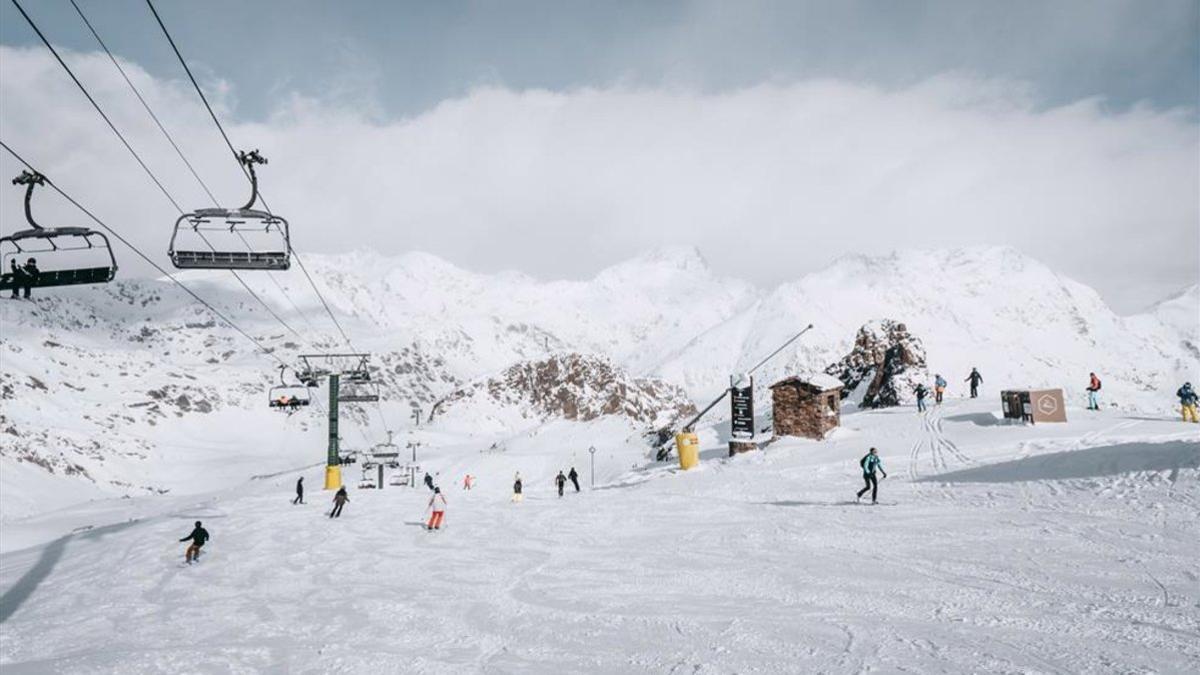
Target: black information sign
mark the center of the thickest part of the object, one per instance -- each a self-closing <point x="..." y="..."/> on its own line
<point x="742" y="406"/>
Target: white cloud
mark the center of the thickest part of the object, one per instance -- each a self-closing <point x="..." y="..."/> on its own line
<point x="769" y="181"/>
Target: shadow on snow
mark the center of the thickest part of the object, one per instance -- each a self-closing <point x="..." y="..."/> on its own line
<point x="1109" y="460"/>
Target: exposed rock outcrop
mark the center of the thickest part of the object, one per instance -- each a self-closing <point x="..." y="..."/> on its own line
<point x="574" y="387"/>
<point x="884" y="367"/>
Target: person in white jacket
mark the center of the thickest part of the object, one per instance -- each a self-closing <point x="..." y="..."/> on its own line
<point x="437" y="504"/>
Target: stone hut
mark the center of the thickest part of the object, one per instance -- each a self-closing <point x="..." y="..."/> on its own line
<point x="806" y="406"/>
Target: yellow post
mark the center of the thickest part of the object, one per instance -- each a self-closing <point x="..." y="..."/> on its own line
<point x="333" y="477"/>
<point x="687" y="445"/>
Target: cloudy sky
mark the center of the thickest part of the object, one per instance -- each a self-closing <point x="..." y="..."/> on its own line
<point x="560" y="137"/>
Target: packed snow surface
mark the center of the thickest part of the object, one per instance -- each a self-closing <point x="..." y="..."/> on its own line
<point x="995" y="548"/>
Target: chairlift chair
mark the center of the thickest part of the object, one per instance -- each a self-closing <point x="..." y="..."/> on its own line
<point x="288" y="397"/>
<point x="191" y="248"/>
<point x="358" y="392"/>
<point x="59" y="248"/>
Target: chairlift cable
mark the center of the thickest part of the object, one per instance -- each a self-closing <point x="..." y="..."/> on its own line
<point x="142" y="100"/>
<point x="147" y="258"/>
<point x="95" y="105"/>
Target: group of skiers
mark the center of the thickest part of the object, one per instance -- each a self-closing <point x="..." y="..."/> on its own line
<point x="939" y="388"/>
<point x="23" y="276"/>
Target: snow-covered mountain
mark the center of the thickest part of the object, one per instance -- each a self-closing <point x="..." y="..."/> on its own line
<point x="135" y="388"/>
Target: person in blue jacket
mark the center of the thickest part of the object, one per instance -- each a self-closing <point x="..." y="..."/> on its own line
<point x="939" y="388"/>
<point x="871" y="463"/>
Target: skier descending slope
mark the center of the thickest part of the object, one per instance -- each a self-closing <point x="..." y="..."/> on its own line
<point x="517" y="486"/>
<point x="1187" y="402"/>
<point x="339" y="500"/>
<point x="1093" y="390"/>
<point x="939" y="388"/>
<point x="574" y="476"/>
<point x="299" y="491"/>
<point x="198" y="536"/>
<point x="869" y="463"/>
<point x="437" y="504"/>
<point x="560" y="480"/>
<point x="428" y="480"/>
<point x="975" y="379"/>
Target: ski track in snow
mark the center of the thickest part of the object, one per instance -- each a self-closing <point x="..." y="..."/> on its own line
<point x="762" y="562"/>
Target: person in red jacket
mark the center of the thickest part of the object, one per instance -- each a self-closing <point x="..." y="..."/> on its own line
<point x="437" y="504"/>
<point x="1093" y="390"/>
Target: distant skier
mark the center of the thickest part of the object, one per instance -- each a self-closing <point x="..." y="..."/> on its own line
<point x="517" y="487"/>
<point x="339" y="500"/>
<point x="468" y="481"/>
<point x="574" y="476"/>
<point x="922" y="392"/>
<point x="975" y="379"/>
<point x="198" y="536"/>
<point x="429" y="481"/>
<point x="870" y="463"/>
<point x="299" y="491"/>
<point x="560" y="480"/>
<point x="437" y="504"/>
<point x="939" y="388"/>
<point x="1187" y="402"/>
<point x="1093" y="390"/>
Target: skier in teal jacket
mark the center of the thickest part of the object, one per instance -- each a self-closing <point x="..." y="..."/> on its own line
<point x="870" y="463"/>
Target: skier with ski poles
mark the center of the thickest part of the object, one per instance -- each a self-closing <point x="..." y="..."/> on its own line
<point x="560" y="480"/>
<point x="1187" y="402"/>
<point x="1093" y="390"/>
<point x="198" y="536"/>
<point x="437" y="505"/>
<point x="574" y="478"/>
<point x="870" y="463"/>
<point x="922" y="392"/>
<point x="975" y="379"/>
<point x="339" y="500"/>
<point x="299" y="491"/>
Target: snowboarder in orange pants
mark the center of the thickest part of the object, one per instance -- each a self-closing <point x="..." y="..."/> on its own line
<point x="437" y="503"/>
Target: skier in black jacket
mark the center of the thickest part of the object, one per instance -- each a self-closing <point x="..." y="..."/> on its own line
<point x="574" y="477"/>
<point x="429" y="481"/>
<point x="560" y="480"/>
<point x="299" y="491"/>
<point x="198" y="536"/>
<point x="339" y="500"/>
<point x="975" y="379"/>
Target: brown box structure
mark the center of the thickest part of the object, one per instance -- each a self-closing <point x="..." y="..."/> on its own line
<point x="1034" y="405"/>
<point x="806" y="407"/>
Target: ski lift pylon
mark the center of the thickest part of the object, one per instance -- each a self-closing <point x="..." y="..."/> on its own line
<point x="52" y="243"/>
<point x="271" y="249"/>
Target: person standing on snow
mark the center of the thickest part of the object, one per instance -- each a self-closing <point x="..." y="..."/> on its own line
<point x="437" y="504"/>
<point x="939" y="388"/>
<point x="429" y="481"/>
<point x="339" y="500"/>
<point x="468" y="481"/>
<point x="299" y="491"/>
<point x="560" y="480"/>
<point x="869" y="463"/>
<point x="1093" y="390"/>
<point x="517" y="486"/>
<point x="198" y="536"/>
<point x="975" y="379"/>
<point x="1188" y="401"/>
<point x="922" y="392"/>
<point x="574" y="476"/>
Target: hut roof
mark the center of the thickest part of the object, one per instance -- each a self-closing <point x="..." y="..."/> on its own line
<point x="818" y="382"/>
